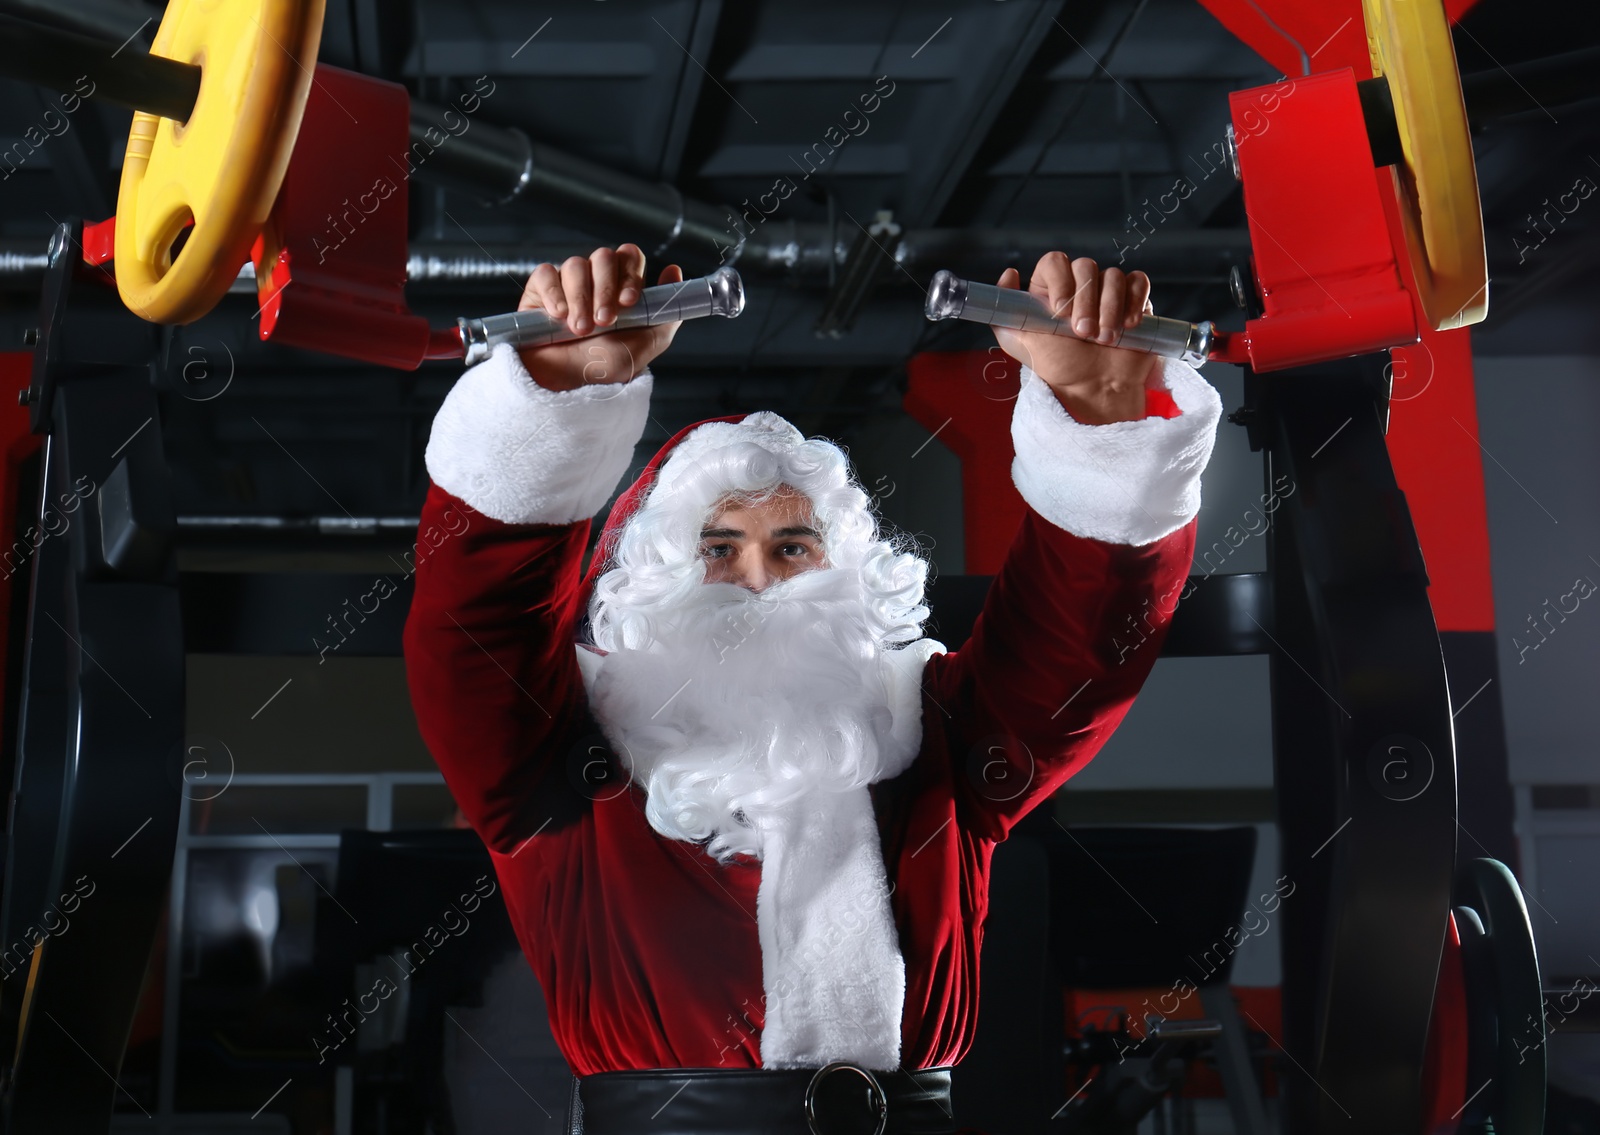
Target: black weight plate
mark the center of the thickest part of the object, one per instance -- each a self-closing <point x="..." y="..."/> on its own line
<point x="1513" y="990"/>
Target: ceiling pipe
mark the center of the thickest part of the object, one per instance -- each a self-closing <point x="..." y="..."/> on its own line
<point x="502" y="165"/>
<point x="796" y="251"/>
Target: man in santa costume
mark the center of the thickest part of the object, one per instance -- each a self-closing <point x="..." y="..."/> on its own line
<point x="741" y="810"/>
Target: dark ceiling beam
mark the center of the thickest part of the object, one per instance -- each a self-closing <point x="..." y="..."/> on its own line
<point x="1157" y="61"/>
<point x="1533" y="86"/>
<point x="858" y="159"/>
<point x="1176" y="40"/>
<point x="542" y="58"/>
<point x="1528" y="171"/>
<point x="1163" y="127"/>
<point x="1206" y="179"/>
<point x="680" y="93"/>
<point x="998" y="44"/>
<point x="1168" y="58"/>
<point x="894" y="159"/>
<point x="1085" y="159"/>
<point x="107" y="19"/>
<point x="1563" y="263"/>
<point x="1218" y="65"/>
<point x="853" y="62"/>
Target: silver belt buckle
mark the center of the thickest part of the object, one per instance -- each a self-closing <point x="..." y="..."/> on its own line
<point x="880" y="1097"/>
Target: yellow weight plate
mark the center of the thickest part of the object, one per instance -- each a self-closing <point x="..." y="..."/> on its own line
<point x="1409" y="41"/>
<point x="223" y="167"/>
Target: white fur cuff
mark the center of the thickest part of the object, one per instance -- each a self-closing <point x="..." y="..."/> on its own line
<point x="523" y="454"/>
<point x="1121" y="483"/>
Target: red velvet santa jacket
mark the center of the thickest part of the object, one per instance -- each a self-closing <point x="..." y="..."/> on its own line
<point x="646" y="948"/>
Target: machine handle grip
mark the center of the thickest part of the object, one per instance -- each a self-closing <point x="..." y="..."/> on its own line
<point x="720" y="293"/>
<point x="951" y="297"/>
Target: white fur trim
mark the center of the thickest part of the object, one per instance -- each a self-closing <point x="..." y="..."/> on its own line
<point x="523" y="454"/>
<point x="831" y="966"/>
<point x="1121" y="483"/>
<point x="903" y="670"/>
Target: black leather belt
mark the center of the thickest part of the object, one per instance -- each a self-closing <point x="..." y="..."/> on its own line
<point x="839" y="1099"/>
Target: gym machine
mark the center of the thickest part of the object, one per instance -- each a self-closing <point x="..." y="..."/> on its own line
<point x="1362" y="727"/>
<point x="242" y="148"/>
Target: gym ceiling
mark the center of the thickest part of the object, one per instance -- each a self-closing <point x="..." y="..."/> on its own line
<point x="1004" y="130"/>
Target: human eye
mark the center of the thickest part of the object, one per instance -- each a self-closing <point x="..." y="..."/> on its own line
<point x="799" y="550"/>
<point x="716" y="551"/>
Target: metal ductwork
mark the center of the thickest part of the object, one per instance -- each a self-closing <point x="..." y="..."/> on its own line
<point x="796" y="250"/>
<point x="504" y="166"/>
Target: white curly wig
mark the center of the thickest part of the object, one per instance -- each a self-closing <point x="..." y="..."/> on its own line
<point x="655" y="564"/>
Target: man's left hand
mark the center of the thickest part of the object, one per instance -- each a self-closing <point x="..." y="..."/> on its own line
<point x="1096" y="383"/>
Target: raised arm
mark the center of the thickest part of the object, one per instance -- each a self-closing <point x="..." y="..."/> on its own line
<point x="1075" y="618"/>
<point x="525" y="450"/>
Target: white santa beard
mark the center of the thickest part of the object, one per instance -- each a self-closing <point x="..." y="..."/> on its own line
<point x="745" y="702"/>
<point x="757" y="721"/>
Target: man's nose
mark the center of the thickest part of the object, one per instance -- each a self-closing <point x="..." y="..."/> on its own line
<point x="751" y="572"/>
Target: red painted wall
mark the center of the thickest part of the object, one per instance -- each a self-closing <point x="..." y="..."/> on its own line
<point x="964" y="398"/>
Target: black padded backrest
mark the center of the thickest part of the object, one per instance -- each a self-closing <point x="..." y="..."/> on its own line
<point x="1009" y="1080"/>
<point x="1143" y="906"/>
<point x="1217" y="615"/>
<point x="954" y="603"/>
<point x="397" y="889"/>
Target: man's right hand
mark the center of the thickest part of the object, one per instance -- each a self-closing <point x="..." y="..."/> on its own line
<point x="588" y="294"/>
